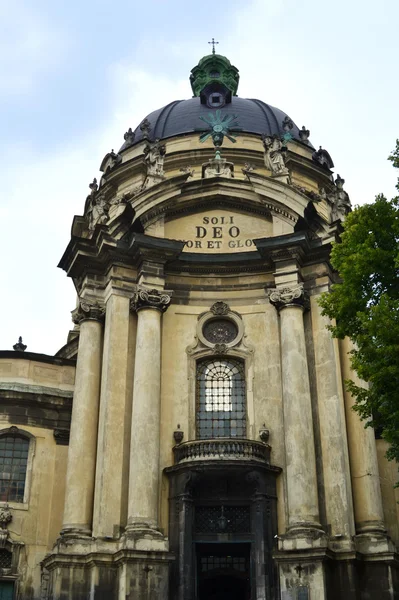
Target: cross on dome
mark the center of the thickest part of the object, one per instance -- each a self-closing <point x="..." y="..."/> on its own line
<point x="213" y="45"/>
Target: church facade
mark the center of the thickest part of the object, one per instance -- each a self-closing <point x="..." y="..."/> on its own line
<point x="194" y="438"/>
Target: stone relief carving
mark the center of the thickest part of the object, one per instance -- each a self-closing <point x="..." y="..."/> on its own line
<point x="248" y="168"/>
<point x="274" y="155"/>
<point x="87" y="310"/>
<point x="220" y="308"/>
<point x="218" y="167"/>
<point x="187" y="170"/>
<point x="5" y="519"/>
<point x="286" y="296"/>
<point x="220" y="349"/>
<point x="147" y="298"/>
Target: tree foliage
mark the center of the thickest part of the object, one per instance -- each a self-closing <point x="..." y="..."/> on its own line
<point x="365" y="307"/>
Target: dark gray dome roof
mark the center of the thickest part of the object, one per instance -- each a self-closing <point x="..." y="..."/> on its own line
<point x="182" y="116"/>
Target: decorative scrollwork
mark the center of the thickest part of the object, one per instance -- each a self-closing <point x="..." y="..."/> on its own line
<point x="220" y="349"/>
<point x="282" y="297"/>
<point x="146" y="298"/>
<point x="87" y="311"/>
<point x="220" y="308"/>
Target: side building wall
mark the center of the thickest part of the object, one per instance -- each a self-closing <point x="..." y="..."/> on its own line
<point x="35" y="404"/>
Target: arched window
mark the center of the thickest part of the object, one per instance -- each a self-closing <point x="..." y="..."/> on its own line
<point x="14" y="451"/>
<point x="221" y="399"/>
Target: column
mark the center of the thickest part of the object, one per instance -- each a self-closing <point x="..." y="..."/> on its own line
<point x="303" y="511"/>
<point x="334" y="443"/>
<point x="78" y="512"/>
<point x="108" y="498"/>
<point x="369" y="516"/>
<point x="144" y="445"/>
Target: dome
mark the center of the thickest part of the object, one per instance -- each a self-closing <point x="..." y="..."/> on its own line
<point x="183" y="117"/>
<point x="214" y="81"/>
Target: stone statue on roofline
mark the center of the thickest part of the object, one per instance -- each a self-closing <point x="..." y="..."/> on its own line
<point x="339" y="200"/>
<point x="274" y="155"/>
<point x="154" y="156"/>
<point x="97" y="208"/>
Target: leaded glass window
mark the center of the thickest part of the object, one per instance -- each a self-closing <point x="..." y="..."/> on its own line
<point x="221" y="405"/>
<point x="13" y="461"/>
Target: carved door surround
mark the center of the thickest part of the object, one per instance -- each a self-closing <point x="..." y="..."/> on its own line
<point x="224" y="503"/>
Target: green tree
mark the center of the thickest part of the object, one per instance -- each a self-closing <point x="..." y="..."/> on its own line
<point x="365" y="307"/>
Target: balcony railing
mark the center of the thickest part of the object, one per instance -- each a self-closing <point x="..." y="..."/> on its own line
<point x="222" y="449"/>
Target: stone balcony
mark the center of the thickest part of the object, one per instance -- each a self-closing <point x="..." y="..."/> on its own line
<point x="222" y="449"/>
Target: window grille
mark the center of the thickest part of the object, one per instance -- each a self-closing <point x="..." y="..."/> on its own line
<point x="224" y="563"/>
<point x="5" y="559"/>
<point x="222" y="519"/>
<point x="221" y="405"/>
<point x="13" y="462"/>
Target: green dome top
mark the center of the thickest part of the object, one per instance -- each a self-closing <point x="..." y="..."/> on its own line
<point x="214" y="68"/>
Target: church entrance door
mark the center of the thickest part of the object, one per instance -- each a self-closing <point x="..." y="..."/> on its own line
<point x="223" y="571"/>
<point x="6" y="590"/>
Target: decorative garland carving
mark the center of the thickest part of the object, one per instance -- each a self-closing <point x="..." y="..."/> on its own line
<point x="147" y="298"/>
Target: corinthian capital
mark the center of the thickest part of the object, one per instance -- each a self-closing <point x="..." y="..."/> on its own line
<point x="288" y="296"/>
<point x="87" y="311"/>
<point x="145" y="298"/>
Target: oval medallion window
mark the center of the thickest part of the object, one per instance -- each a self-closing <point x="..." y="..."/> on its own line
<point x="220" y="331"/>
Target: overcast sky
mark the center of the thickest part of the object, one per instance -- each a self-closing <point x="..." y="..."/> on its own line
<point x="74" y="76"/>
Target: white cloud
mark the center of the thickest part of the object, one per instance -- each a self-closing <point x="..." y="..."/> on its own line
<point x="41" y="196"/>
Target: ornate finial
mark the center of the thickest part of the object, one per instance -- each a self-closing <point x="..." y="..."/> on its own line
<point x="19" y="346"/>
<point x="213" y="45"/>
<point x="178" y="435"/>
<point x="287" y="123"/>
<point x="304" y="134"/>
<point x="93" y="186"/>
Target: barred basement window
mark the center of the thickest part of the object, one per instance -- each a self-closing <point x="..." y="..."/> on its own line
<point x="13" y="463"/>
<point x="221" y="400"/>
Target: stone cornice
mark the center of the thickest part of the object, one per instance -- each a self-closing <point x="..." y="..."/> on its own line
<point x="98" y="254"/>
<point x="44" y="358"/>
